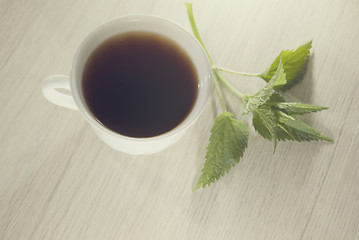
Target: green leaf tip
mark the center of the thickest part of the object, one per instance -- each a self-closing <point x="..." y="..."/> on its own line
<point x="227" y="143"/>
<point x="295" y="65"/>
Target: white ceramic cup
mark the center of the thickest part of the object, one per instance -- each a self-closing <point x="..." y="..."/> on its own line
<point x="73" y="83"/>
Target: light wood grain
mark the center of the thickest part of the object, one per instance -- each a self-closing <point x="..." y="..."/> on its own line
<point x="59" y="181"/>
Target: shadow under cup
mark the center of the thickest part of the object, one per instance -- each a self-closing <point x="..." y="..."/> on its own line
<point x="156" y="25"/>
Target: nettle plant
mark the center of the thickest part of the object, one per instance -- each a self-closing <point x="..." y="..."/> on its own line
<point x="273" y="118"/>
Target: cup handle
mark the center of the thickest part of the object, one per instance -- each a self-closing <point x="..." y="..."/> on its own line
<point x="50" y="92"/>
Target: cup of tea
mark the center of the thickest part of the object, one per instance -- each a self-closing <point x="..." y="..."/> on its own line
<point x="140" y="81"/>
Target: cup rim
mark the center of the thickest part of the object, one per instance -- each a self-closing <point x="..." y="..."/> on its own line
<point x="187" y="122"/>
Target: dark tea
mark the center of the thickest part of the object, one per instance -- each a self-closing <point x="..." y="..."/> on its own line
<point x="140" y="84"/>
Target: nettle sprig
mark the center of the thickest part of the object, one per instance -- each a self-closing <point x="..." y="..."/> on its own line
<point x="273" y="118"/>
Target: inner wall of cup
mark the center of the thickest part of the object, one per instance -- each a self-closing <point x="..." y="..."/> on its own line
<point x="144" y="23"/>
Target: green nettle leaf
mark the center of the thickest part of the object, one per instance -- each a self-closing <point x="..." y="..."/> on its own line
<point x="292" y="108"/>
<point x="254" y="101"/>
<point x="265" y="122"/>
<point x="283" y="133"/>
<point x="298" y="108"/>
<point x="274" y="124"/>
<point x="229" y="138"/>
<point x="282" y="130"/>
<point x="275" y="99"/>
<point x="304" y="132"/>
<point x="295" y="65"/>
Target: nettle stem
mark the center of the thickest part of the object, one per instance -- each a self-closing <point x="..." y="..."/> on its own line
<point x="228" y="85"/>
<point x="196" y="34"/>
<point x="195" y="30"/>
<point x="219" y="91"/>
<point x="237" y="73"/>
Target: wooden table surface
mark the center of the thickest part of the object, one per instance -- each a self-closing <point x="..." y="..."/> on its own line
<point x="59" y="181"/>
